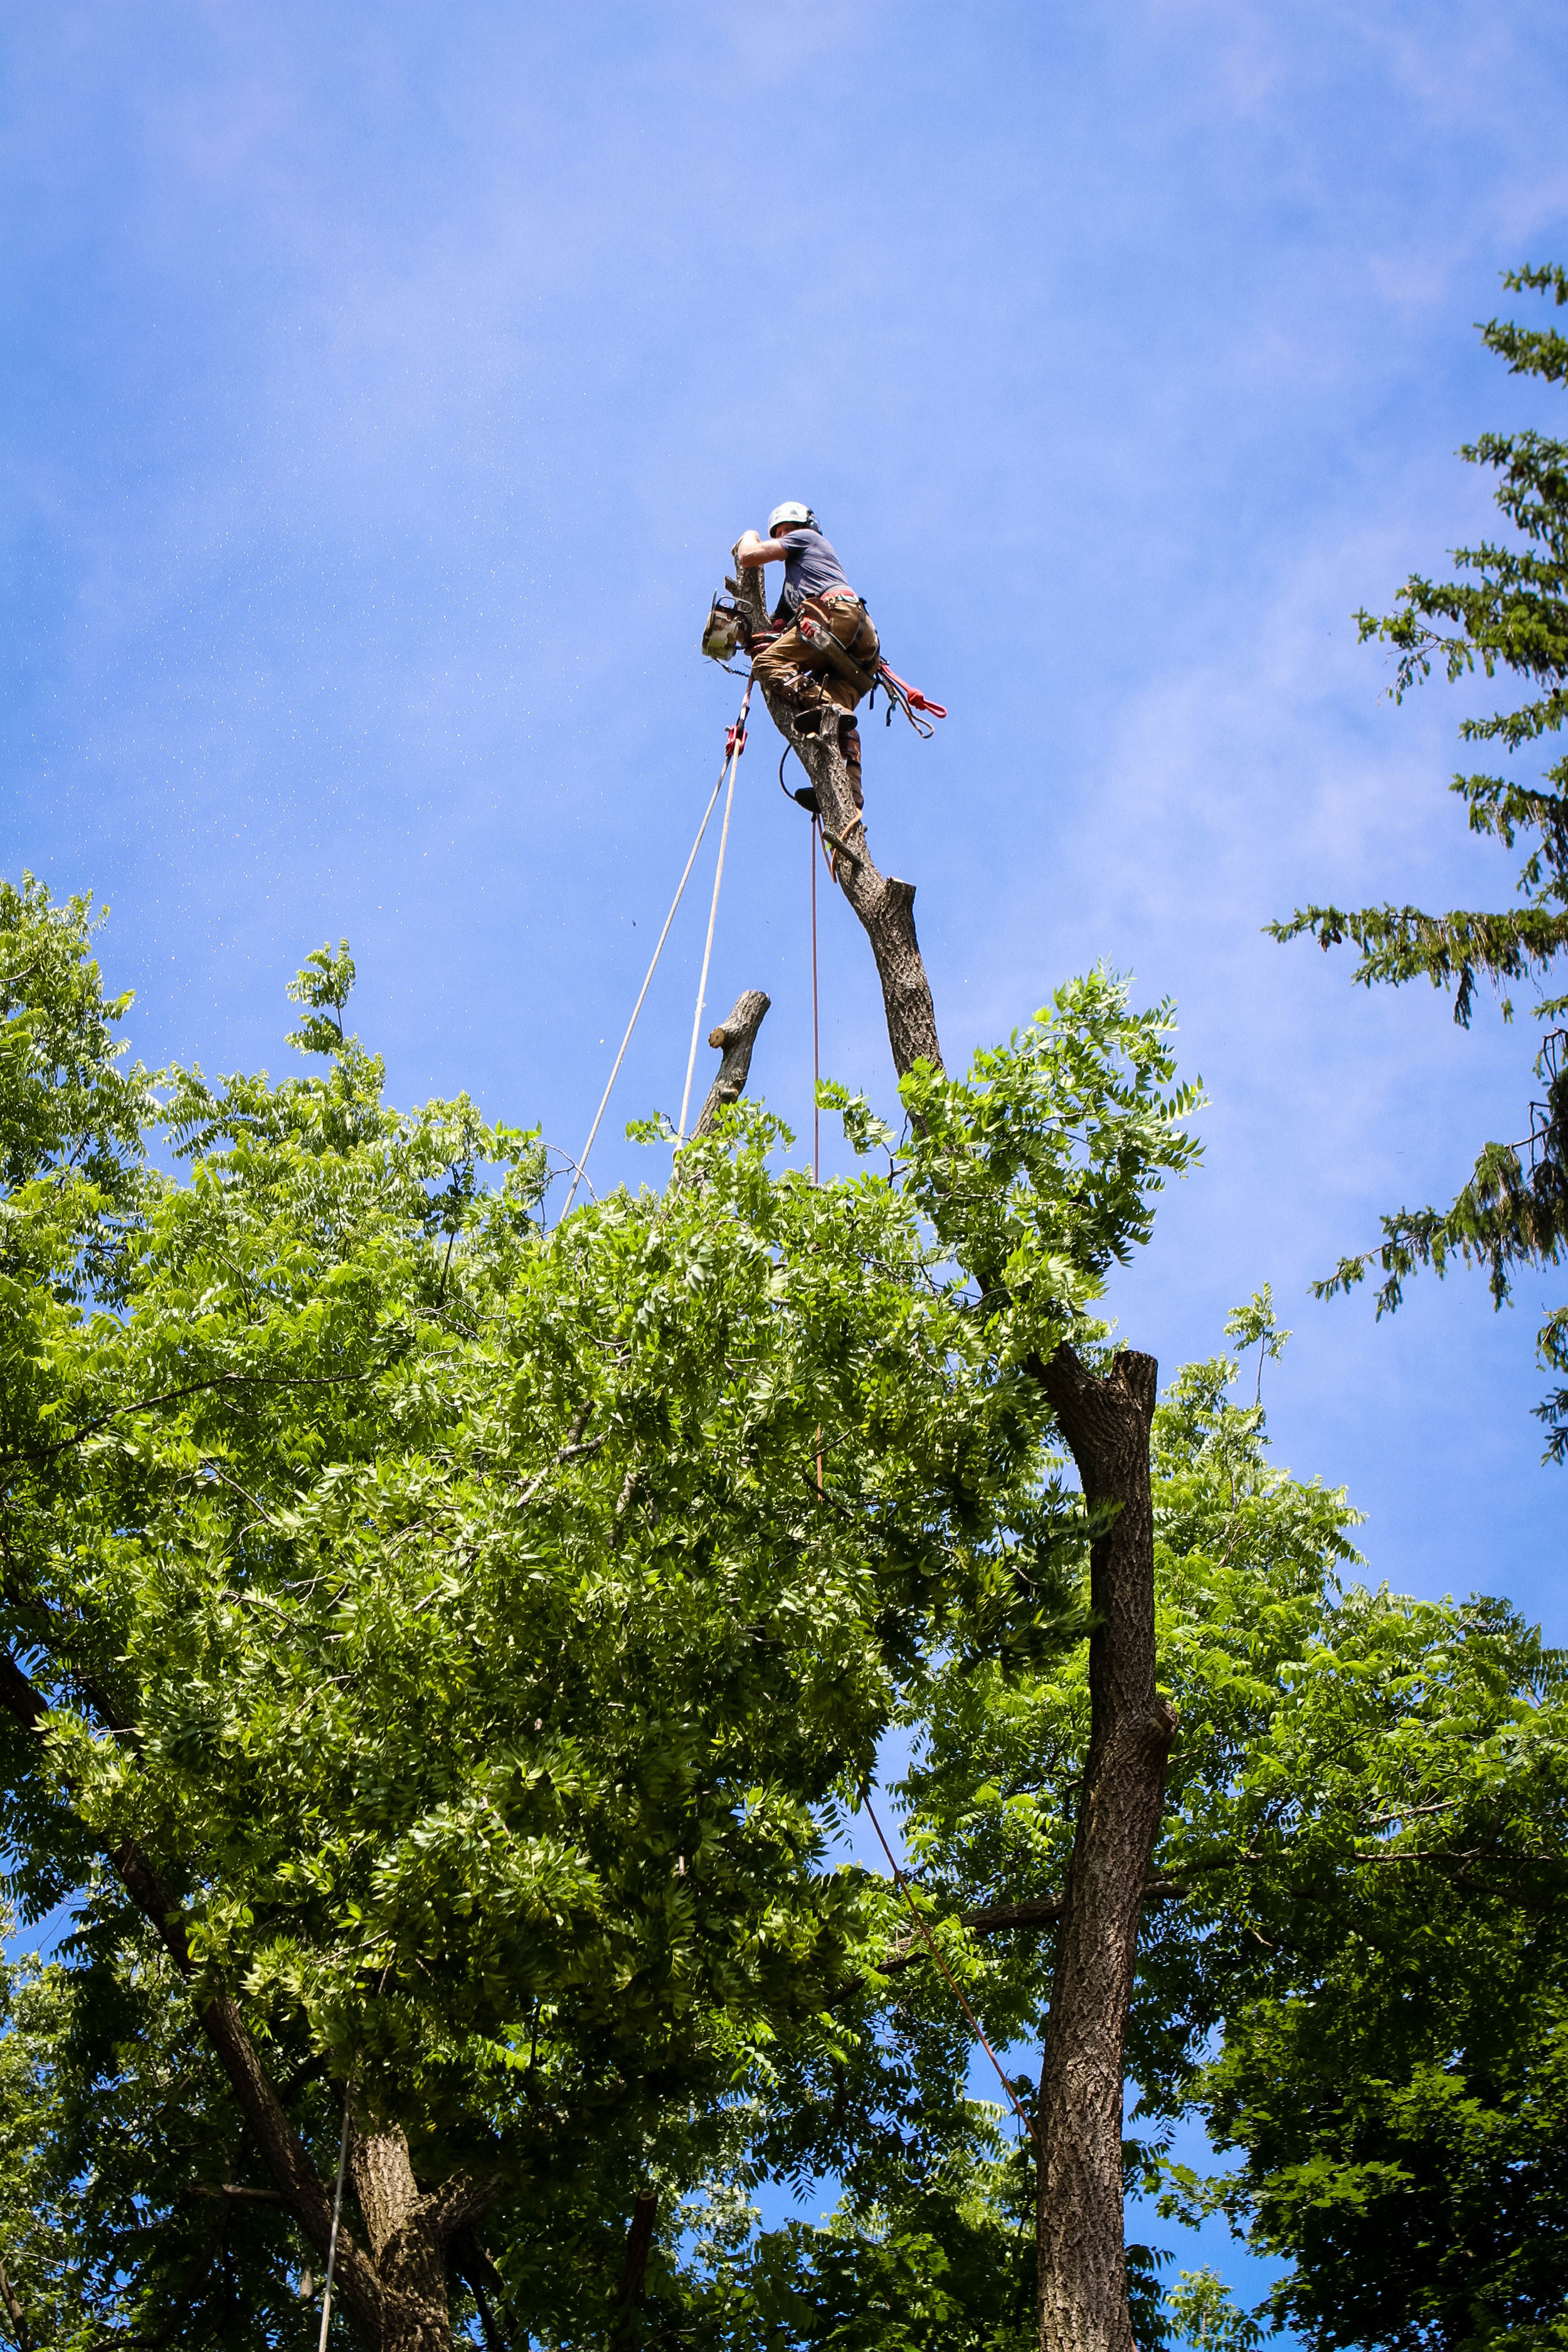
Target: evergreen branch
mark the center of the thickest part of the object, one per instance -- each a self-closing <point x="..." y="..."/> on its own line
<point x="1400" y="943"/>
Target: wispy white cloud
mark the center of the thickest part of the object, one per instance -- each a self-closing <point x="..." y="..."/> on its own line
<point x="385" y="388"/>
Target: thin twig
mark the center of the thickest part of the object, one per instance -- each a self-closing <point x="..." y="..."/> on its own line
<point x="177" y="1396"/>
<point x="242" y="1492"/>
<point x="976" y="2026"/>
<point x="571" y="1451"/>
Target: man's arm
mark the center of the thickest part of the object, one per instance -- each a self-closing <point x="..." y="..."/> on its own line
<point x="752" y="551"/>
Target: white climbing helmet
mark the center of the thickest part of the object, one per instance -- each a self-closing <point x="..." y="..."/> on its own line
<point x="798" y="518"/>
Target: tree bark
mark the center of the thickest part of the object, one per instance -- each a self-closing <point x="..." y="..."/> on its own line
<point x="634" y="2270"/>
<point x="737" y="1036"/>
<point x="409" y="2232"/>
<point x="26" y="2339"/>
<point x="1080" y="2249"/>
<point x="1077" y="2121"/>
<point x="884" y="905"/>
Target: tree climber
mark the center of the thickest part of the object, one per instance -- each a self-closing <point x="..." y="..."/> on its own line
<point x="825" y="660"/>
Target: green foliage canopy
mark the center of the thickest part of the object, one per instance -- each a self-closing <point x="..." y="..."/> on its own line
<point x="451" y="1607"/>
<point x="1351" y="1962"/>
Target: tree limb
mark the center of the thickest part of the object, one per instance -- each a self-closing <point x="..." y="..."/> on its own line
<point x="26" y="2339"/>
<point x="230" y="2189"/>
<point x="1000" y="1918"/>
<point x="736" y="1036"/>
<point x="177" y="1396"/>
<point x="481" y="2276"/>
<point x="639" y="2239"/>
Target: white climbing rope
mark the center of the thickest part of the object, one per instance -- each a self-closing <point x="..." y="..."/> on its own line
<point x="712" y="919"/>
<point x="733" y="747"/>
<point x="332" y="2234"/>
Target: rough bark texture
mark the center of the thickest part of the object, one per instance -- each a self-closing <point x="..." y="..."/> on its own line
<point x="736" y="1036"/>
<point x="1077" y="2120"/>
<point x="409" y="2232"/>
<point x="885" y="905"/>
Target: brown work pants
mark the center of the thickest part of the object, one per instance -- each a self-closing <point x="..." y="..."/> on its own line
<point x="793" y="668"/>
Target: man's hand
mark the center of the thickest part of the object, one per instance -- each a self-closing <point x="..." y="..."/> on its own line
<point x="752" y="550"/>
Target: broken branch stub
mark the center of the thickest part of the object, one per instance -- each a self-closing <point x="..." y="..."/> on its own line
<point x="884" y="904"/>
<point x="735" y="1038"/>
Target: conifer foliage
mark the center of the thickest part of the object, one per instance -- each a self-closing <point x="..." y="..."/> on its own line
<point x="1507" y="609"/>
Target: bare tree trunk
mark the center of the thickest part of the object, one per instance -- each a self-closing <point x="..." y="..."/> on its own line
<point x="409" y="2232"/>
<point x="26" y="2339"/>
<point x="639" y="2241"/>
<point x="1082" y="2263"/>
<point x="736" y="1036"/>
<point x="1077" y="2121"/>
<point x="885" y="905"/>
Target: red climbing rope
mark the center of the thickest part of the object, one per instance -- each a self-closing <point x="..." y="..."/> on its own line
<point x="910" y="699"/>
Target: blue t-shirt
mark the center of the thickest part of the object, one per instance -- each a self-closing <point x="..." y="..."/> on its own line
<point x="811" y="567"/>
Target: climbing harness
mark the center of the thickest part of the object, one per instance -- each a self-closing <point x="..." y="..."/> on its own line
<point x="733" y="742"/>
<point x="814" y="621"/>
<point x="729" y="627"/>
<point x="978" y="2031"/>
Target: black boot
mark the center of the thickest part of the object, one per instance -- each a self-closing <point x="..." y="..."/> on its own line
<point x="849" y="746"/>
<point x="806" y="795"/>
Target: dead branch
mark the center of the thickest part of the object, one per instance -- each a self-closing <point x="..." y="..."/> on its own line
<point x="735" y="1038"/>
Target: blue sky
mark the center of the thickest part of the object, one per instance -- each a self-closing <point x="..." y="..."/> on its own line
<point x="384" y="385"/>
